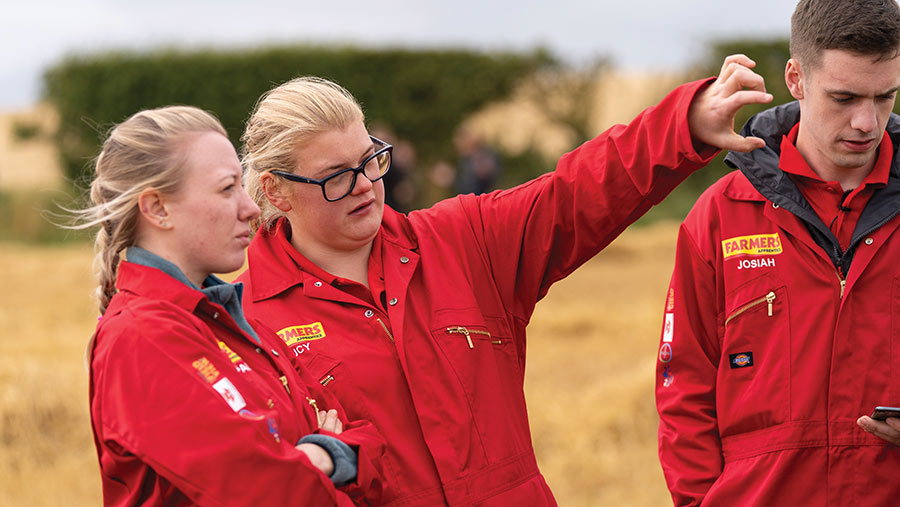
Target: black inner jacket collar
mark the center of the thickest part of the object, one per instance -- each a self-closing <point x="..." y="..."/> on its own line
<point x="761" y="168"/>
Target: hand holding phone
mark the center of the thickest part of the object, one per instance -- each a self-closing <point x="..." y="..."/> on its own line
<point x="882" y="413"/>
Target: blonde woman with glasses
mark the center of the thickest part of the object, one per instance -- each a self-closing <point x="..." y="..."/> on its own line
<point x="417" y="322"/>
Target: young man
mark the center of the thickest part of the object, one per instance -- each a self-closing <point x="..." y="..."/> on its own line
<point x="782" y="320"/>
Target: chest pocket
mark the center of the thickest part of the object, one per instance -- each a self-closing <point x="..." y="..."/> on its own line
<point x="753" y="384"/>
<point x="480" y="351"/>
<point x="334" y="377"/>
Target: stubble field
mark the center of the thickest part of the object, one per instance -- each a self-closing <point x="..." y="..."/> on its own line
<point x="589" y="379"/>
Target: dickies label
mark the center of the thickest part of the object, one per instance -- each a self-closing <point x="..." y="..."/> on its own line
<point x="740" y="360"/>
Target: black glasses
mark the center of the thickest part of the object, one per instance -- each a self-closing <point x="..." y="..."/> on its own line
<point x="339" y="185"/>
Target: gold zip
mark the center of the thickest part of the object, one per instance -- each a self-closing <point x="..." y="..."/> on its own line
<point x="466" y="332"/>
<point x="315" y="407"/>
<point x="285" y="383"/>
<point x="843" y="282"/>
<point x="768" y="298"/>
<point x="326" y="380"/>
<point x="383" y="325"/>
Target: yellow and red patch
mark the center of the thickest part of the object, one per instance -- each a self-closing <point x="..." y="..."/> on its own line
<point x="206" y="369"/>
<point x="757" y="244"/>
<point x="295" y="334"/>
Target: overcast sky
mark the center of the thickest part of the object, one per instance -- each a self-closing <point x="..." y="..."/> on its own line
<point x="648" y="34"/>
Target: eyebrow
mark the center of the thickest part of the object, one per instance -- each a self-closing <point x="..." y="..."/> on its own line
<point x="326" y="171"/>
<point x="856" y="95"/>
<point x="231" y="178"/>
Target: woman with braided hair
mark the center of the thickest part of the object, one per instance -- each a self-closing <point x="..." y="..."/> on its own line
<point x="189" y="398"/>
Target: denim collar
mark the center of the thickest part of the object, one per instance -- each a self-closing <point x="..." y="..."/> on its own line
<point x="228" y="295"/>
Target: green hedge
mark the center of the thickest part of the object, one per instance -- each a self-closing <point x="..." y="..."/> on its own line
<point x="422" y="95"/>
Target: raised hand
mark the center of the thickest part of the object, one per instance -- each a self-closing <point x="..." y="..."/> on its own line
<point x="711" y="114"/>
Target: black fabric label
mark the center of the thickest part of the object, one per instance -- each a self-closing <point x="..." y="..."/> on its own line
<point x="740" y="360"/>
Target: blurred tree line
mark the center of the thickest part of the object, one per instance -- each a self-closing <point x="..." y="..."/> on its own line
<point x="422" y="95"/>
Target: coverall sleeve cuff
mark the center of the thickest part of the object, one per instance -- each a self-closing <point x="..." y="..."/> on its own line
<point x="344" y="458"/>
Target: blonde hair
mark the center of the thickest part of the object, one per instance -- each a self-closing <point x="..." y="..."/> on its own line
<point x="140" y="153"/>
<point x="283" y="119"/>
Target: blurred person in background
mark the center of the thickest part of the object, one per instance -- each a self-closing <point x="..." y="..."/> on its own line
<point x="190" y="402"/>
<point x="401" y="190"/>
<point x="417" y="322"/>
<point x="478" y="167"/>
<point x="781" y="323"/>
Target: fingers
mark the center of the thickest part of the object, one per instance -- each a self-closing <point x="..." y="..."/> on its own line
<point x="742" y="144"/>
<point x="737" y="73"/>
<point x="888" y="430"/>
<point x="329" y="421"/>
<point x="744" y="79"/>
<point x="712" y="113"/>
<point x="739" y="60"/>
<point x="318" y="457"/>
<point x="741" y="98"/>
<point x="893" y="422"/>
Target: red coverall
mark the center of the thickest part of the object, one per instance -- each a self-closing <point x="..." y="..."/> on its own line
<point x="439" y="368"/>
<point x="188" y="409"/>
<point x="775" y="341"/>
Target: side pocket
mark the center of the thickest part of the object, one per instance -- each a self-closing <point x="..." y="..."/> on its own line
<point x="754" y="377"/>
<point x="481" y="353"/>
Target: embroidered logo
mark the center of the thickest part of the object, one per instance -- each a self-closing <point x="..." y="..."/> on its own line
<point x="235" y="359"/>
<point x="665" y="353"/>
<point x="247" y="414"/>
<point x="669" y="328"/>
<point x="206" y="369"/>
<point x="667" y="375"/>
<point x="740" y="360"/>
<point x="230" y="394"/>
<point x="758" y="244"/>
<point x="295" y="334"/>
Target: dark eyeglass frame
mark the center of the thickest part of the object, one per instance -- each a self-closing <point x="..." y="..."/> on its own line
<point x="385" y="147"/>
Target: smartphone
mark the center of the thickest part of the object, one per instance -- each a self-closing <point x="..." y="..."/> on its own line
<point x="882" y="413"/>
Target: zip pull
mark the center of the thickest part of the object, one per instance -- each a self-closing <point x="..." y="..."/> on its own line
<point x="325" y="381"/>
<point x="312" y="403"/>
<point x="468" y="338"/>
<point x="464" y="331"/>
<point x="386" y="331"/>
<point x="285" y="383"/>
<point x="843" y="284"/>
<point x="770" y="297"/>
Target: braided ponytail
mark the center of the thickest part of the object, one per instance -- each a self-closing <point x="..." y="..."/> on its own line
<point x="139" y="154"/>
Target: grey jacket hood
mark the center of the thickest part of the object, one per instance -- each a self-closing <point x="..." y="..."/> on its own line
<point x="761" y="168"/>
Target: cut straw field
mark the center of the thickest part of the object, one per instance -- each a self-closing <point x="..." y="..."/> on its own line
<point x="589" y="380"/>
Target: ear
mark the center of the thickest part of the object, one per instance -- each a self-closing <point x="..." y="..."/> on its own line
<point x="152" y="206"/>
<point x="271" y="187"/>
<point x="795" y="79"/>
